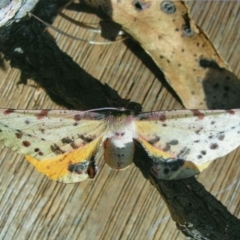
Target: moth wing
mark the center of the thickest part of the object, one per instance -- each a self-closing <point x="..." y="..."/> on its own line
<point x="60" y="143"/>
<point x="71" y="167"/>
<point x="184" y="142"/>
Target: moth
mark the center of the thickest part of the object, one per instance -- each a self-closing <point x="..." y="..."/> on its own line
<point x="63" y="144"/>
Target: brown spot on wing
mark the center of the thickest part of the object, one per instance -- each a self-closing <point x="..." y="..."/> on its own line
<point x="203" y="152"/>
<point x="173" y="142"/>
<point x="85" y="139"/>
<point x="26" y="143"/>
<point x="167" y="148"/>
<point x="198" y="114"/>
<point x="154" y="140"/>
<point x="213" y="146"/>
<point x="56" y="149"/>
<point x="198" y="131"/>
<point x="221" y="137"/>
<point x="42" y="114"/>
<point x="230" y="111"/>
<point x="66" y="140"/>
<point x="73" y="145"/>
<point x="19" y="134"/>
<point x="8" y="111"/>
<point x="42" y="130"/>
<point x="162" y="117"/>
<point x="77" y="117"/>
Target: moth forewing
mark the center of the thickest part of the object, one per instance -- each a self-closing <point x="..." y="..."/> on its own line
<point x="184" y="142"/>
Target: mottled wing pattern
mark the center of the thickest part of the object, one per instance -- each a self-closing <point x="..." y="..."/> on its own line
<point x="60" y="143"/>
<point x="184" y="142"/>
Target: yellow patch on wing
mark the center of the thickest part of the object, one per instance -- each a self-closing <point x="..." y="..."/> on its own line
<point x="154" y="151"/>
<point x="57" y="167"/>
<point x="201" y="167"/>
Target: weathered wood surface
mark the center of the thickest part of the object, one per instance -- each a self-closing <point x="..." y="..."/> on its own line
<point x="117" y="205"/>
<point x="220" y="22"/>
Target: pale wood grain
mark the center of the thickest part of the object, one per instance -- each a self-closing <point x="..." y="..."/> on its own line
<point x="117" y="205"/>
<point x="220" y="22"/>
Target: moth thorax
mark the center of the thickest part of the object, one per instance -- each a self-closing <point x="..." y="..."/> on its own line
<point x="118" y="152"/>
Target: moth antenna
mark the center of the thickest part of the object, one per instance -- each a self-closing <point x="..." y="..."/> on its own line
<point x="106" y="108"/>
<point x="87" y="26"/>
<point x="70" y="36"/>
<point x="56" y="29"/>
